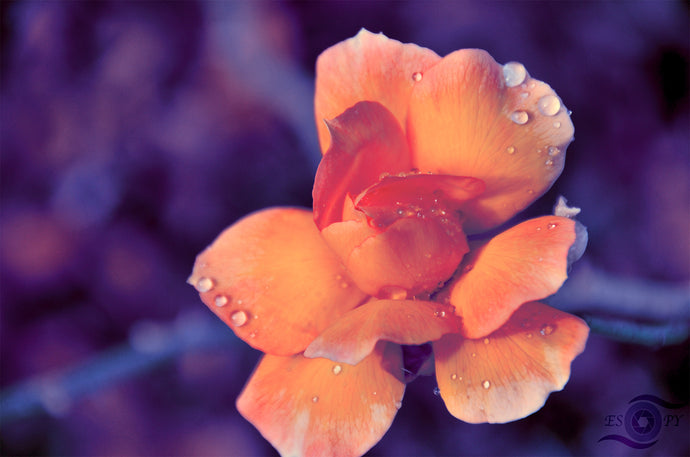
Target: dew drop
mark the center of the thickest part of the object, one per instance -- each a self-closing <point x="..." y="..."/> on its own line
<point x="553" y="151"/>
<point x="538" y="229"/>
<point x="252" y="335"/>
<point x="220" y="300"/>
<point x="398" y="405"/>
<point x="546" y="330"/>
<point x="338" y="277"/>
<point x="514" y="73"/>
<point x="314" y="399"/>
<point x="551" y="225"/>
<point x="453" y="376"/>
<point x="392" y="292"/>
<point x="374" y="393"/>
<point x="530" y="191"/>
<point x="486" y="384"/>
<point x="549" y="105"/>
<point x="474" y="354"/>
<point x="467" y="268"/>
<point x="519" y="117"/>
<point x="510" y="149"/>
<point x="337" y="369"/>
<point x="529" y="335"/>
<point x="417" y="76"/>
<point x="440" y="313"/>
<point x="557" y="124"/>
<point x="486" y="341"/>
<point x="548" y="163"/>
<point x="239" y="302"/>
<point x="239" y="318"/>
<point x="204" y="284"/>
<point x="524" y="94"/>
<point x="344" y="285"/>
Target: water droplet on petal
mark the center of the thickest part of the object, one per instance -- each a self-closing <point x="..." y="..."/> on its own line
<point x="220" y="300"/>
<point x="252" y="335"/>
<point x="551" y="225"/>
<point x="239" y="318"/>
<point x="524" y="94"/>
<point x="204" y="284"/>
<point x="486" y="341"/>
<point x="440" y="313"/>
<point x="510" y="149"/>
<point x="557" y="124"/>
<point x="467" y="268"/>
<point x="514" y="73"/>
<point x="337" y="369"/>
<point x="398" y="405"/>
<point x="474" y="354"/>
<point x="453" y="376"/>
<point x="548" y="163"/>
<point x="549" y="105"/>
<point x="417" y="76"/>
<point x="519" y="117"/>
<point x="374" y="393"/>
<point x="392" y="292"/>
<point x="530" y="191"/>
<point x="314" y="399"/>
<point x="553" y="151"/>
<point x="344" y="285"/>
<point x="486" y="384"/>
<point x="529" y="335"/>
<point x="546" y="330"/>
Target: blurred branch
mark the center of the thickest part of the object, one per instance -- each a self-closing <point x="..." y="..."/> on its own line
<point x="632" y="310"/>
<point x="150" y="345"/>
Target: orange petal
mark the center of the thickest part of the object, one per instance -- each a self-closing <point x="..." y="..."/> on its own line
<point x="314" y="407"/>
<point x="352" y="337"/>
<point x="470" y="116"/>
<point x="526" y="262"/>
<point x="509" y="374"/>
<point x="274" y="281"/>
<point x="367" y="141"/>
<point x="367" y="67"/>
<point x="411" y="256"/>
<point x="394" y="197"/>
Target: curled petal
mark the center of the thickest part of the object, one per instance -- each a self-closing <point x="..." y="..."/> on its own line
<point x="352" y="337"/>
<point x="470" y="116"/>
<point x="367" y="141"/>
<point x="509" y="374"/>
<point x="367" y="67"/>
<point x="274" y="281"/>
<point x="315" y="407"/>
<point x="526" y="262"/>
<point x="411" y="256"/>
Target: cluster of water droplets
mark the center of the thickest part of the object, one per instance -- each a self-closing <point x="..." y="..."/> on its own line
<point x="239" y="317"/>
<point x="515" y="76"/>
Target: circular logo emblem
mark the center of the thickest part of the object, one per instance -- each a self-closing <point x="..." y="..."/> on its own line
<point x="643" y="421"/>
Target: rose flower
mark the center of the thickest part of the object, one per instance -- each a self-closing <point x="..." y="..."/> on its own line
<point x="422" y="157"/>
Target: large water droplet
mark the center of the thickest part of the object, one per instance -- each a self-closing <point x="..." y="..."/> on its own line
<point x="514" y="73"/>
<point x="486" y="384"/>
<point x="337" y="369"/>
<point x="204" y="284"/>
<point x="239" y="318"/>
<point x="519" y="117"/>
<point x="546" y="330"/>
<point x="220" y="300"/>
<point x="549" y="105"/>
<point x="417" y="76"/>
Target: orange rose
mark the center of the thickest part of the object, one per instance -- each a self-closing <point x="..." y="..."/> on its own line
<point x="420" y="152"/>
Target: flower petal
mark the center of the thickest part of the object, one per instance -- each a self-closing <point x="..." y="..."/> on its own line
<point x="526" y="262"/>
<point x="508" y="375"/>
<point x="367" y="141"/>
<point x="470" y="116"/>
<point x="367" y="67"/>
<point x="314" y="407"/>
<point x="411" y="256"/>
<point x="274" y="281"/>
<point x="352" y="337"/>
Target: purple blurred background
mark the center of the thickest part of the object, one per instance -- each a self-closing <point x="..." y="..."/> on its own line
<point x="134" y="132"/>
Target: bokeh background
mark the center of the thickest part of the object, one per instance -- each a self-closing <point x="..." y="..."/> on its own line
<point x="134" y="132"/>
